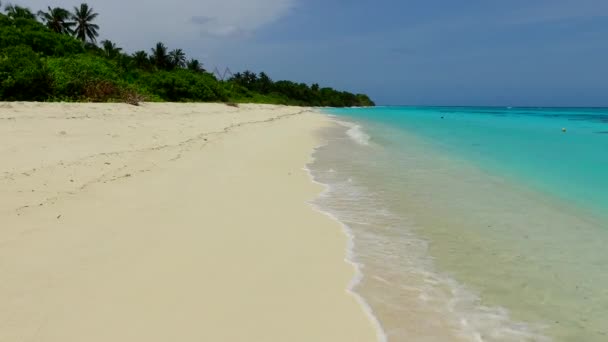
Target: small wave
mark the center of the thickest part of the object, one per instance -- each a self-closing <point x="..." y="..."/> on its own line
<point x="457" y="306"/>
<point x="355" y="132"/>
<point x="383" y="234"/>
<point x="367" y="309"/>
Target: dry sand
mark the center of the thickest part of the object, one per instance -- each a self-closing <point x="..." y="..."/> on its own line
<point x="167" y="222"/>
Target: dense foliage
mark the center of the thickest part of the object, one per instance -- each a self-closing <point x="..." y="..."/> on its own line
<point x="57" y="58"/>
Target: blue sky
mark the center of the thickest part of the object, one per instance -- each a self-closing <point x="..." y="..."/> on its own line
<point x="432" y="52"/>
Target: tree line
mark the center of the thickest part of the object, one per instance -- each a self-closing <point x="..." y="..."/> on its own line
<point x="53" y="55"/>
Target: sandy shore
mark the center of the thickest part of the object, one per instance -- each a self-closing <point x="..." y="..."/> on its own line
<point x="167" y="222"/>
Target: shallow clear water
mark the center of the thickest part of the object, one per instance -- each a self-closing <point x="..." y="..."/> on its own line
<point x="475" y="224"/>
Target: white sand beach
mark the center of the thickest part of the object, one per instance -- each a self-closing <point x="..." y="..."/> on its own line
<point x="168" y="222"/>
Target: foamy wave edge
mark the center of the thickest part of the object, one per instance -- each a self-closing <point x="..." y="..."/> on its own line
<point x="473" y="334"/>
<point x="355" y="131"/>
<point x="350" y="251"/>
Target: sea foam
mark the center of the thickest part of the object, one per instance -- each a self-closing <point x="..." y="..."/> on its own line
<point x="350" y="258"/>
<point x="408" y="280"/>
<point x="355" y="132"/>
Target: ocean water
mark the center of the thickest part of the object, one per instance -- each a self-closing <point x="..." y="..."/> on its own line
<point x="474" y="224"/>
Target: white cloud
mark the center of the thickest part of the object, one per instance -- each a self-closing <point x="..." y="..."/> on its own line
<point x="138" y="24"/>
<point x="215" y="28"/>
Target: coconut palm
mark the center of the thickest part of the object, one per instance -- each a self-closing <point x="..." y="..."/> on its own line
<point x="110" y="49"/>
<point x="177" y="58"/>
<point x="159" y="56"/>
<point x="264" y="83"/>
<point x="141" y="60"/>
<point x="195" y="65"/>
<point x="14" y="12"/>
<point x="85" y="29"/>
<point x="249" y="78"/>
<point x="57" y="19"/>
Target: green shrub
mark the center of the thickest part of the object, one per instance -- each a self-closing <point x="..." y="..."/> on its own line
<point x="183" y="85"/>
<point x="39" y="64"/>
<point x="260" y="88"/>
<point x="85" y="77"/>
<point x="40" y="39"/>
<point x="23" y="75"/>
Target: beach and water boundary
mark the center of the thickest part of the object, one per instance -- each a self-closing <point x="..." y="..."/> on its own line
<point x="167" y="221"/>
<point x="451" y="250"/>
<point x="115" y="213"/>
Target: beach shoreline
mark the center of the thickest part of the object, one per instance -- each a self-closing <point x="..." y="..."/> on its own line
<point x="456" y="248"/>
<point x="169" y="221"/>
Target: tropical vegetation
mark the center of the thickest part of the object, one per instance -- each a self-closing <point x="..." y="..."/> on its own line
<point x="53" y="55"/>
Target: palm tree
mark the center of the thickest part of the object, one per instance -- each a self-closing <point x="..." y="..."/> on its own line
<point x="160" y="57"/>
<point x="195" y="65"/>
<point x="56" y="19"/>
<point x="249" y="78"/>
<point x="141" y="60"/>
<point x="85" y="29"/>
<point x="110" y="49"/>
<point x="14" y="12"/>
<point x="264" y="83"/>
<point x="177" y="58"/>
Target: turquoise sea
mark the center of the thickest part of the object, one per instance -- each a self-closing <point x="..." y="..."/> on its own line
<point x="474" y="224"/>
